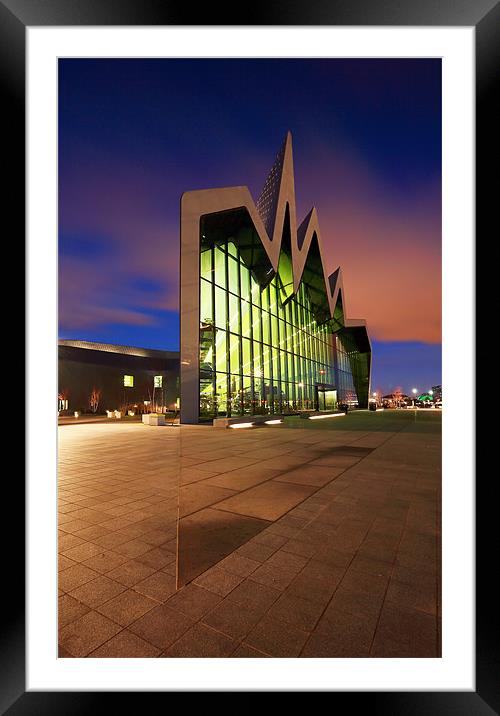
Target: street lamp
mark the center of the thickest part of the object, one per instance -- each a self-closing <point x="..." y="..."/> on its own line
<point x="414" y="391"/>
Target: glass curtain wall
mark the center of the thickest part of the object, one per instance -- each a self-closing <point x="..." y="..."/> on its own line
<point x="257" y="355"/>
<point x="346" y="353"/>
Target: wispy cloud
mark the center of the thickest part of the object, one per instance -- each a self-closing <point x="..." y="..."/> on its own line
<point x="386" y="240"/>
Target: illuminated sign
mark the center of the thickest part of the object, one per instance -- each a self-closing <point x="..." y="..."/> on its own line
<point x="128" y="381"/>
<point x="158" y="381"/>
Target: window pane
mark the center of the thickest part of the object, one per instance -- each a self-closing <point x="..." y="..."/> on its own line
<point x="235" y="407"/>
<point x="221" y="351"/>
<point x="234" y="348"/>
<point x="265" y="298"/>
<point x="206" y="264"/>
<point x="221" y="393"/>
<point x="245" y="319"/>
<point x="206" y="399"/>
<point x="220" y="308"/>
<point x="266" y="328"/>
<point x="206" y="310"/>
<point x="245" y="282"/>
<point x="256" y="324"/>
<point x="274" y="331"/>
<point x="234" y="313"/>
<point x="220" y="268"/>
<point x="257" y="363"/>
<point x="247" y="363"/>
<point x="233" y="276"/>
<point x="266" y="362"/>
<point x="255" y="292"/>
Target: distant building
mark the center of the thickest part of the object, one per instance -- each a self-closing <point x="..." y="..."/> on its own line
<point x="437" y="392"/>
<point x="123" y="375"/>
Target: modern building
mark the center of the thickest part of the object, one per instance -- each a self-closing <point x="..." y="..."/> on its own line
<point x="264" y="328"/>
<point x="119" y="377"/>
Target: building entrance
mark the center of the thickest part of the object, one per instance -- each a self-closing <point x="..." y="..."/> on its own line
<point x="326" y="398"/>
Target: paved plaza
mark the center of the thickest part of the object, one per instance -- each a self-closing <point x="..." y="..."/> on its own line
<point x="308" y="539"/>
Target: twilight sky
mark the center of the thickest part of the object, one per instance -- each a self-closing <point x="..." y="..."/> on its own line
<point x="135" y="134"/>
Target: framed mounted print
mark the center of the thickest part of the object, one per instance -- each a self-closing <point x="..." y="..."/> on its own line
<point x="244" y="238"/>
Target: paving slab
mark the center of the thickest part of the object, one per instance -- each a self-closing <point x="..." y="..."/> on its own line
<point x="267" y="501"/>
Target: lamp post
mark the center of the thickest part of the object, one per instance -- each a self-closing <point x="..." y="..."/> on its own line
<point x="414" y="391"/>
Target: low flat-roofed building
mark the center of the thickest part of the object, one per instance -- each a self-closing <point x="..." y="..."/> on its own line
<point x="126" y="377"/>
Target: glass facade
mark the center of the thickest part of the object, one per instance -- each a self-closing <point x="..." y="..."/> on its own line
<point x="353" y="370"/>
<point x="261" y="350"/>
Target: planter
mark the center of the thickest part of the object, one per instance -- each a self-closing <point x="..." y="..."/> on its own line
<point x="153" y="419"/>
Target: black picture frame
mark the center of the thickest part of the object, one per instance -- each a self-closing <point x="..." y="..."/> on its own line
<point x="15" y="17"/>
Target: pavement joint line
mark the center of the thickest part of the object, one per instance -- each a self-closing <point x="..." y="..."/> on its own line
<point x="335" y="591"/>
<point x="393" y="563"/>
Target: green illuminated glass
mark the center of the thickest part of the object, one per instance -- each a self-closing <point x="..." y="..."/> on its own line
<point x="266" y="362"/>
<point x="245" y="282"/>
<point x="257" y="362"/>
<point x="256" y="334"/>
<point x="247" y="362"/>
<point x="274" y="331"/>
<point x="255" y="292"/>
<point x="234" y="313"/>
<point x="246" y="329"/>
<point x="221" y="393"/>
<point x="234" y="353"/>
<point x="128" y="381"/>
<point x="265" y="299"/>
<point x="206" y="265"/>
<point x="261" y="350"/>
<point x="206" y="307"/>
<point x="221" y="351"/>
<point x="234" y="286"/>
<point x="266" y="328"/>
<point x="220" y="308"/>
<point x="220" y="268"/>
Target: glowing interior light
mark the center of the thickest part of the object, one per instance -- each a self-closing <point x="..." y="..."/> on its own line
<point x="321" y="417"/>
<point x="273" y="422"/>
<point x="241" y="425"/>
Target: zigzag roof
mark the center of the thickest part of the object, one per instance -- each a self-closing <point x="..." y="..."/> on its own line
<point x="276" y="205"/>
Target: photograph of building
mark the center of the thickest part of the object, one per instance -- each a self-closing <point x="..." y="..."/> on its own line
<point x="236" y="267"/>
<point x="269" y="325"/>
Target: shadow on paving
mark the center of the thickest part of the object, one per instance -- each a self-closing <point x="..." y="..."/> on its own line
<point x="229" y="494"/>
<point x="371" y="421"/>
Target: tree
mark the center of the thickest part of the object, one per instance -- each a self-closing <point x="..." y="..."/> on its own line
<point x="397" y="396"/>
<point x="63" y="397"/>
<point x="94" y="399"/>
